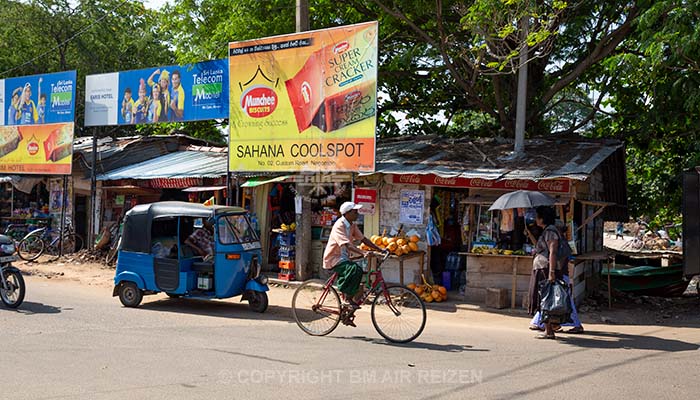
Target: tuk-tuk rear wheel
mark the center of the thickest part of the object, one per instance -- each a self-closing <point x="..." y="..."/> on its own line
<point x="130" y="295"/>
<point x="257" y="301"/>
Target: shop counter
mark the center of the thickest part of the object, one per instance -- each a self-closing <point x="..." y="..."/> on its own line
<point x="498" y="271"/>
<point x="400" y="259"/>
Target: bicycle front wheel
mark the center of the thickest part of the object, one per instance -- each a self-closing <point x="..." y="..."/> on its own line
<point x="315" y="309"/>
<point x="30" y="248"/>
<point x="398" y="314"/>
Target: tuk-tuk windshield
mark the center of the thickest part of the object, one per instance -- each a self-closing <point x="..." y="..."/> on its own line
<point x="235" y="229"/>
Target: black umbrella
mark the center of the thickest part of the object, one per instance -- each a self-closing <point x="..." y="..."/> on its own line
<point x="522" y="199"/>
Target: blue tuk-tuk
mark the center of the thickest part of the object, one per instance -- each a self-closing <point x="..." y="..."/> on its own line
<point x="154" y="255"/>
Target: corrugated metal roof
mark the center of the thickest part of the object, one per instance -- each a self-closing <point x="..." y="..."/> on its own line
<point x="181" y="164"/>
<point x="573" y="158"/>
<point x="124" y="151"/>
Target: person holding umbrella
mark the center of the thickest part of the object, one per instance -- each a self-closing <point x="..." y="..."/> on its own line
<point x="547" y="264"/>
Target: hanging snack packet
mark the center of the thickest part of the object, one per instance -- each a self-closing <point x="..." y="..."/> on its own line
<point x="305" y="91"/>
<point x="59" y="143"/>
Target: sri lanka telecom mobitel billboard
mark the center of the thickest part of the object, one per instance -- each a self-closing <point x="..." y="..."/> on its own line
<point x="305" y="101"/>
<point x="173" y="93"/>
<point x="36" y="123"/>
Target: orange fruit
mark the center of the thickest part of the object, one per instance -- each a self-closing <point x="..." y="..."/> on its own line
<point x="401" y="242"/>
<point x="413" y="246"/>
<point x="411" y="286"/>
<point x="428" y="299"/>
<point x="392" y="247"/>
<point x="414" y="239"/>
<point x="419" y="290"/>
<point x="442" y="290"/>
<point x="385" y="240"/>
<point x="435" y="294"/>
<point x="406" y="249"/>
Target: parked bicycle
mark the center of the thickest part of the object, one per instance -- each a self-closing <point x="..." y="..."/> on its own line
<point x="116" y="240"/>
<point x="398" y="313"/>
<point x="45" y="241"/>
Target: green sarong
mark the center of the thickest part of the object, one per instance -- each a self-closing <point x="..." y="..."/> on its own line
<point x="349" y="277"/>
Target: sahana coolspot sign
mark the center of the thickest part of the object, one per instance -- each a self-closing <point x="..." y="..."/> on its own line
<point x="305" y="101"/>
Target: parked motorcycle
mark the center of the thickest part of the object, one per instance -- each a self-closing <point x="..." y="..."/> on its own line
<point x="11" y="282"/>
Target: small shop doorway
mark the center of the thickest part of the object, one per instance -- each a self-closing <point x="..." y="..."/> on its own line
<point x="81" y="215"/>
<point x="448" y="212"/>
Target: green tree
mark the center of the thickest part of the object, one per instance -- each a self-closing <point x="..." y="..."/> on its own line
<point x="653" y="105"/>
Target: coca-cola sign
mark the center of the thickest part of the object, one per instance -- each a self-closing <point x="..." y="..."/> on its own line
<point x="549" y="185"/>
<point x="552" y="186"/>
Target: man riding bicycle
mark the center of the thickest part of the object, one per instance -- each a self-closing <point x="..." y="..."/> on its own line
<point x="341" y="248"/>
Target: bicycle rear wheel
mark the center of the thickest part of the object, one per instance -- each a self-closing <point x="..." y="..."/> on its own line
<point x="316" y="311"/>
<point x="72" y="243"/>
<point x="398" y="314"/>
<point x="30" y="248"/>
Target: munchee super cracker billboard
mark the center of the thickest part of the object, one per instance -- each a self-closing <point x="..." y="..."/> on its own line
<point x="305" y="101"/>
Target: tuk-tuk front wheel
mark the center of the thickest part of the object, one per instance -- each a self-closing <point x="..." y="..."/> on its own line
<point x="130" y="295"/>
<point x="257" y="301"/>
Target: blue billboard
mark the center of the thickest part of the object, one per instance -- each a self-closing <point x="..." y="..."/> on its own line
<point x="38" y="99"/>
<point x="173" y="93"/>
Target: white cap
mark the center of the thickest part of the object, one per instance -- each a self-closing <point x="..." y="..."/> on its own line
<point x="349" y="205"/>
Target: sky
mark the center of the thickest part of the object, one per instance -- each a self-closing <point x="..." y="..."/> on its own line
<point x="155" y="4"/>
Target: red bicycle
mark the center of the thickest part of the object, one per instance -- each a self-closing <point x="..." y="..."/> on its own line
<point x="398" y="313"/>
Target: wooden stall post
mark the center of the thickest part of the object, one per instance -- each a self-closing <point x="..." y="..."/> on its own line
<point x="514" y="288"/>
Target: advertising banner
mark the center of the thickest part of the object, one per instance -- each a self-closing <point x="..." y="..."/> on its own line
<point x="174" y="93"/>
<point x="38" y="99"/>
<point x="367" y="198"/>
<point x="36" y="123"/>
<point x="36" y="149"/>
<point x="305" y="101"/>
<point x="411" y="207"/>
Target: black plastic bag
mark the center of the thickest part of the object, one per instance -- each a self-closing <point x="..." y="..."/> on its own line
<point x="555" y="302"/>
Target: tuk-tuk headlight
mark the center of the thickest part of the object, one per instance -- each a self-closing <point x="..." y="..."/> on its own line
<point x="262" y="279"/>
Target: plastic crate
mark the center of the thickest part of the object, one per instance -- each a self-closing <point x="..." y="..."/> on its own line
<point x="286" y="275"/>
<point x="286" y="252"/>
<point x="287" y="239"/>
<point x="287" y="265"/>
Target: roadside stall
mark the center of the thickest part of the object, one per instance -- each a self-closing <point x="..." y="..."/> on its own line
<point x="484" y="250"/>
<point x="25" y="204"/>
<point x="274" y="202"/>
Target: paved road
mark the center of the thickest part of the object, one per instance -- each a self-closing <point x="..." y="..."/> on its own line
<point x="71" y="341"/>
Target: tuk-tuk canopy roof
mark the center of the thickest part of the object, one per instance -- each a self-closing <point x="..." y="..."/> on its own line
<point x="181" y="209"/>
<point x="136" y="234"/>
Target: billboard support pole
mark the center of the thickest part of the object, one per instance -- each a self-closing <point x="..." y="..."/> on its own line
<point x="303" y="220"/>
<point x="64" y="197"/>
<point x="93" y="190"/>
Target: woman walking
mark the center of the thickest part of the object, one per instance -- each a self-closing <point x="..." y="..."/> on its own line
<point x="546" y="264"/>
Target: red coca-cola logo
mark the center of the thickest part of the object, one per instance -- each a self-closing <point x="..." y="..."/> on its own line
<point x="341" y="47"/>
<point x="445" y="181"/>
<point x="516" y="184"/>
<point x="481" y="183"/>
<point x="414" y="179"/>
<point x="259" y="101"/>
<point x="551" y="186"/>
<point x="32" y="148"/>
